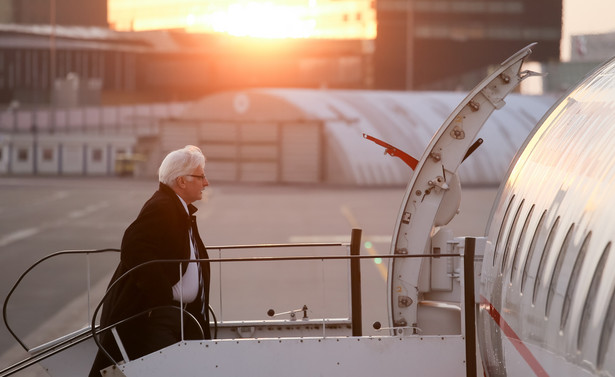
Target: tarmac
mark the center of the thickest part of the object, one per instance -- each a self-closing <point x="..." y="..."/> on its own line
<point x="42" y="215"/>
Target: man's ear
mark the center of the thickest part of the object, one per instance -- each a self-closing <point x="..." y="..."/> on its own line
<point x="180" y="181"/>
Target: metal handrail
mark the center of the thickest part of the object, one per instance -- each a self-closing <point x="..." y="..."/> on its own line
<point x="33" y="359"/>
<point x="312" y="257"/>
<point x="80" y="336"/>
<point x="23" y="275"/>
<point x="245" y="259"/>
<point x="278" y="245"/>
<point x="98" y="251"/>
<point x="41" y="352"/>
<point x="219" y="260"/>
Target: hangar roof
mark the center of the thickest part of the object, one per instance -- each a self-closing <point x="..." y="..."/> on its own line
<point x="407" y="120"/>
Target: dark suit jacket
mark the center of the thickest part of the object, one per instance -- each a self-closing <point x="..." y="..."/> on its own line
<point x="160" y="231"/>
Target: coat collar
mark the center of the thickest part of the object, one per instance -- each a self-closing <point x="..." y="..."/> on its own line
<point x="169" y="191"/>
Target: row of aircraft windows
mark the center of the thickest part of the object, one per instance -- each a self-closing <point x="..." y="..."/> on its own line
<point x="565" y="248"/>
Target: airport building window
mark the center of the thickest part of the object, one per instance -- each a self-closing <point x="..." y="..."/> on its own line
<point x="511" y="233"/>
<point x="558" y="268"/>
<point x="532" y="248"/>
<point x="48" y="154"/>
<point x="44" y="74"/>
<point x="22" y="155"/>
<point x="572" y="282"/>
<point x="2" y="70"/>
<point x="10" y="76"/>
<point x="27" y="68"/>
<point x="18" y="68"/>
<point x="97" y="155"/>
<point x="543" y="258"/>
<point x="502" y="228"/>
<point x="591" y="296"/>
<point x="520" y="242"/>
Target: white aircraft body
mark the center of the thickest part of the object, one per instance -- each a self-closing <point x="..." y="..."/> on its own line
<point x="546" y="304"/>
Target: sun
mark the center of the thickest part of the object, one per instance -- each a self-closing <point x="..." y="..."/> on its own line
<point x="258" y="19"/>
<point x="249" y="18"/>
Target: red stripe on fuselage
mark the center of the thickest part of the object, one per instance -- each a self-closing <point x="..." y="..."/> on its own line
<point x="514" y="338"/>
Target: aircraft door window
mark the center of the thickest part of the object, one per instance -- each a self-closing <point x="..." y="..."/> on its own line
<point x="558" y="268"/>
<point x="532" y="248"/>
<point x="543" y="259"/>
<point x="502" y="228"/>
<point x="511" y="233"/>
<point x="572" y="282"/>
<point x="607" y="331"/>
<point x="591" y="296"/>
<point x="520" y="242"/>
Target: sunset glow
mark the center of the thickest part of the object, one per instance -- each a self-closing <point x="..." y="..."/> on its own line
<point x="263" y="20"/>
<point x="250" y="18"/>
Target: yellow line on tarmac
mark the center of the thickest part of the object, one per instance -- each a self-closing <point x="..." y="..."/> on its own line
<point x="366" y="240"/>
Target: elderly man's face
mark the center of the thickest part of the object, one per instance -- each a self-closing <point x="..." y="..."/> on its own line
<point x="191" y="186"/>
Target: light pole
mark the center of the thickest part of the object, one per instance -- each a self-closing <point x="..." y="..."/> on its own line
<point x="52" y="63"/>
<point x="409" y="45"/>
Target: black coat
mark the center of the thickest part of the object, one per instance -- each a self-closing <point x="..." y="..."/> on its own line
<point x="160" y="231"/>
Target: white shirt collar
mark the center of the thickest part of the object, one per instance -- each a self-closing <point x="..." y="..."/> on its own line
<point x="184" y="204"/>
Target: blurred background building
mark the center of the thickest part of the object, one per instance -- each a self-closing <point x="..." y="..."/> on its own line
<point x="109" y="67"/>
<point x="61" y="12"/>
<point x="444" y="44"/>
<point x="79" y="97"/>
<point x="49" y="52"/>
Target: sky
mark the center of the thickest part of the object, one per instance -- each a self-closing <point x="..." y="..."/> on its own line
<point x="586" y="17"/>
<point x="310" y="18"/>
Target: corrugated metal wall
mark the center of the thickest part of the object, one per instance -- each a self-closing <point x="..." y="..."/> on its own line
<point x="303" y="135"/>
<point x="275" y="152"/>
<point x="302" y="152"/>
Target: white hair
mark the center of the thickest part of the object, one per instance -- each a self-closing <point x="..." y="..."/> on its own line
<point x="179" y="163"/>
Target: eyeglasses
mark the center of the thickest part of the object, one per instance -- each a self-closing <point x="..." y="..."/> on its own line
<point x="202" y="177"/>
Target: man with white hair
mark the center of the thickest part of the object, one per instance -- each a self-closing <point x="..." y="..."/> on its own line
<point x="150" y="298"/>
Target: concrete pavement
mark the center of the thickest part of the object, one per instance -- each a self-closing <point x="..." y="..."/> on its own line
<point x="92" y="213"/>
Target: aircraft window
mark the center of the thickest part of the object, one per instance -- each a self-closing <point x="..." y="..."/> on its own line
<point x="511" y="233"/>
<point x="543" y="258"/>
<point x="572" y="283"/>
<point x="502" y="227"/>
<point x="530" y="253"/>
<point x="607" y="331"/>
<point x="591" y="296"/>
<point x="558" y="268"/>
<point x="520" y="243"/>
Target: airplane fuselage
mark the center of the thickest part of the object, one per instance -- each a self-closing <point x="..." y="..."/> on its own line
<point x="548" y="291"/>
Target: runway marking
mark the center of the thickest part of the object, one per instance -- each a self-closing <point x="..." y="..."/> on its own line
<point x="367" y="240"/>
<point x="22" y="234"/>
<point x="18" y="236"/>
<point x="87" y="210"/>
<point x="335" y="238"/>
